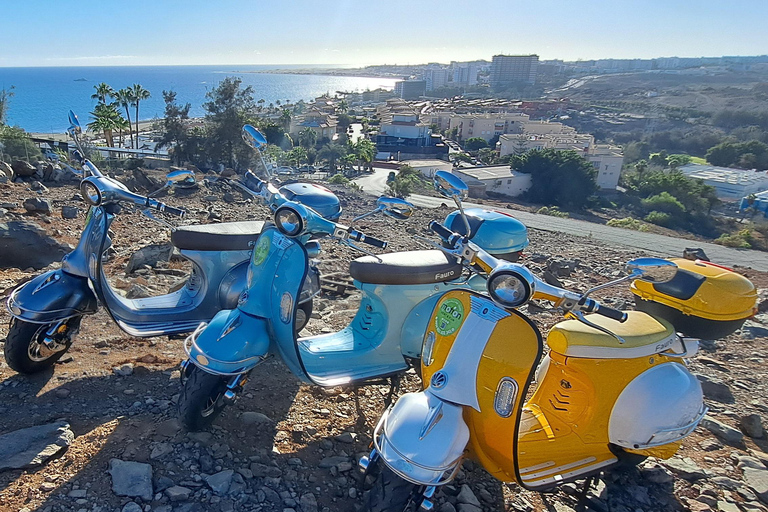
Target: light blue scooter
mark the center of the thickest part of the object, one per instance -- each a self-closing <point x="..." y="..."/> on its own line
<point x="46" y="311"/>
<point x="399" y="291"/>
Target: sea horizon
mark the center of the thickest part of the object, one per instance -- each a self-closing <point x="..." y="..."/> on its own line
<point x="42" y="95"/>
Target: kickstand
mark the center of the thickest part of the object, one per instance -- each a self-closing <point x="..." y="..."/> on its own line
<point x="394" y="387"/>
<point x="581" y="496"/>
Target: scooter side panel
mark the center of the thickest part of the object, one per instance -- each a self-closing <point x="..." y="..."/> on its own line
<point x="510" y="355"/>
<point x="276" y="274"/>
<point x="51" y="297"/>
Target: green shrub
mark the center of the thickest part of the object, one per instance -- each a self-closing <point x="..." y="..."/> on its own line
<point x="659" y="218"/>
<point x="664" y="202"/>
<point x="628" y="223"/>
<point x="741" y="239"/>
<point x="553" y="211"/>
<point x="338" y="179"/>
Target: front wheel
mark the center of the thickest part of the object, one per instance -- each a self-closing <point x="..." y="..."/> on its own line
<point x="32" y="348"/>
<point x="303" y="313"/>
<point x="390" y="493"/>
<point x="202" y="399"/>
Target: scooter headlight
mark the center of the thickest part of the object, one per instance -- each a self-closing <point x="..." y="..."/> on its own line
<point x="511" y="286"/>
<point x="90" y="192"/>
<point x="289" y="221"/>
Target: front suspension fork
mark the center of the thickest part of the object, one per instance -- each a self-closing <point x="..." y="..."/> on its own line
<point x="234" y="385"/>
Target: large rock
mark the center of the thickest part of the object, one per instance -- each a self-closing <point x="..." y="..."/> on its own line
<point x="131" y="479"/>
<point x="220" y="482"/>
<point x="726" y="433"/>
<point x="6" y="170"/>
<point x="757" y="480"/>
<point x="25" y="244"/>
<point x="33" y="446"/>
<point x="150" y="255"/>
<point x="37" y="205"/>
<point x="23" y="169"/>
<point x="715" y="389"/>
<point x="752" y="425"/>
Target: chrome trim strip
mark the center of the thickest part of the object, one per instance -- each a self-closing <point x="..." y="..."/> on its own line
<point x="241" y="366"/>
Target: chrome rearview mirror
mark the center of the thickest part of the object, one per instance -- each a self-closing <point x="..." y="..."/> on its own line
<point x="654" y="270"/>
<point x="182" y="178"/>
<point x="74" y="123"/>
<point x="449" y="185"/>
<point x="395" y="207"/>
<point x="253" y="137"/>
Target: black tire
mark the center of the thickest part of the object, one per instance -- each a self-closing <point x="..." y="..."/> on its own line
<point x="24" y="351"/>
<point x="303" y="313"/>
<point x="202" y="399"/>
<point x="390" y="493"/>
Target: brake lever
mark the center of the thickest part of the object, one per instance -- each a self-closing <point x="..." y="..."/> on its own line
<point x="456" y="253"/>
<point x="345" y="241"/>
<point x="148" y="214"/>
<point x="581" y="318"/>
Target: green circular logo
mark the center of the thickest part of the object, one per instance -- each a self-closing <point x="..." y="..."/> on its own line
<point x="261" y="250"/>
<point x="449" y="317"/>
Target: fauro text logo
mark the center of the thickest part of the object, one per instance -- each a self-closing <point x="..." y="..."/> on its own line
<point x="442" y="275"/>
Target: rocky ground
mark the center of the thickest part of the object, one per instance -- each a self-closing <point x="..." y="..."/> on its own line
<point x="287" y="446"/>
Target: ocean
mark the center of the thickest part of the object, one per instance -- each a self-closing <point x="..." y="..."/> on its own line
<point x="43" y="96"/>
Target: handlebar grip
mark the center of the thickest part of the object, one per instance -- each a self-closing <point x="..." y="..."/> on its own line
<point x="612" y="313"/>
<point x="360" y="237"/>
<point x="170" y="209"/>
<point x="251" y="181"/>
<point x="441" y="230"/>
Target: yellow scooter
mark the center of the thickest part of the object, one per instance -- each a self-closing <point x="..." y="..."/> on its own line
<point x="613" y="387"/>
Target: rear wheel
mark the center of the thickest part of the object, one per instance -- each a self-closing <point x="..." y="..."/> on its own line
<point x="29" y="348"/>
<point x="390" y="493"/>
<point x="202" y="399"/>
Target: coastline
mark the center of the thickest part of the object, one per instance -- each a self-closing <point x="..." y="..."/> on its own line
<point x="346" y="73"/>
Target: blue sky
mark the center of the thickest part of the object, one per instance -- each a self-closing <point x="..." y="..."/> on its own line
<point x="346" y="32"/>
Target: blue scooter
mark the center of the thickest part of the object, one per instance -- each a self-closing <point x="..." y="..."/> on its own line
<point x="47" y="311"/>
<point x="399" y="291"/>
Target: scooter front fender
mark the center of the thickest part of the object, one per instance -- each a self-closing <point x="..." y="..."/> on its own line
<point x="422" y="438"/>
<point x="231" y="344"/>
<point x="51" y="297"/>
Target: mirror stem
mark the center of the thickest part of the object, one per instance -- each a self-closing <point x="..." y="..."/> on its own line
<point x="377" y="210"/>
<point x="463" y="215"/>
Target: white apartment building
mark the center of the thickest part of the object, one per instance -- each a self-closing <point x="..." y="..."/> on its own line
<point x="430" y="166"/>
<point x="485" y="126"/>
<point x="436" y="78"/>
<point x="607" y="159"/>
<point x="498" y="179"/>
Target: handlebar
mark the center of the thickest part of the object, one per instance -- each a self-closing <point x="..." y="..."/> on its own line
<point x="592" y="306"/>
<point x="360" y="237"/>
<point x="442" y="231"/>
<point x="170" y="209"/>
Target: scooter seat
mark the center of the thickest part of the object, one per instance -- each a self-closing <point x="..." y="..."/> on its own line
<point x="226" y="236"/>
<point x="643" y="336"/>
<point x="407" y="267"/>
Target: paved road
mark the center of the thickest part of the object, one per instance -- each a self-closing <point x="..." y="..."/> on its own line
<point x="659" y="245"/>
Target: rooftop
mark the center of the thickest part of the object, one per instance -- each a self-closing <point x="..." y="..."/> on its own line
<point x="491" y="172"/>
<point x="724" y="174"/>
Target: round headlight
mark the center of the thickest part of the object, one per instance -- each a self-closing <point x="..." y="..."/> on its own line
<point x="289" y="222"/>
<point x="91" y="193"/>
<point x="509" y="288"/>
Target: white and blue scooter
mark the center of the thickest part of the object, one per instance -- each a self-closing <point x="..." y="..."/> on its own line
<point x="399" y="290"/>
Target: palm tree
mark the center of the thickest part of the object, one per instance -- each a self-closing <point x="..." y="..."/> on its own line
<point x="139" y="94"/>
<point x="124" y="98"/>
<point x="343" y="106"/>
<point x="285" y="119"/>
<point x="364" y="151"/>
<point x="307" y="138"/>
<point x="331" y="153"/>
<point x="102" y="91"/>
<point x="106" y="120"/>
<point x="122" y="125"/>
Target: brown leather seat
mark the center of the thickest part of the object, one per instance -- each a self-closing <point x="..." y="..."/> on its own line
<point x="226" y="236"/>
<point x="408" y="267"/>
